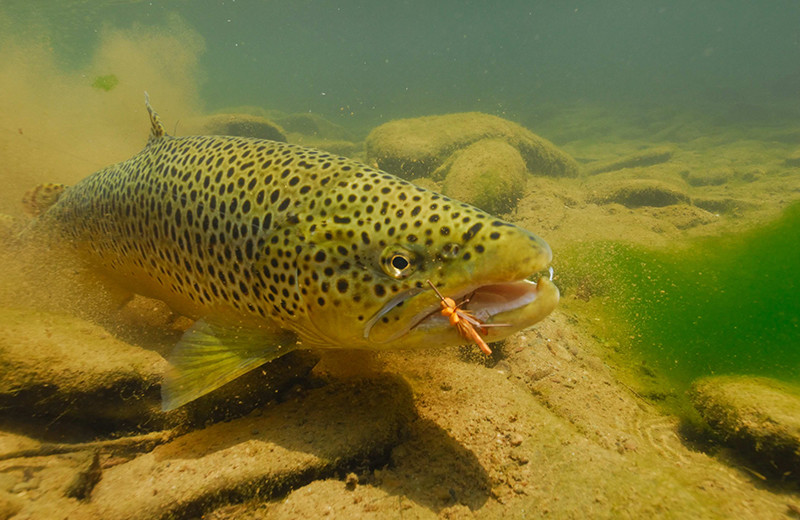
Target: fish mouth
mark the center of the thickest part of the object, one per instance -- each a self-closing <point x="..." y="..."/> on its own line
<point x="505" y="306"/>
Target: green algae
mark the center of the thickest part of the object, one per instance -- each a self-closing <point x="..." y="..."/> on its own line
<point x="107" y="82"/>
<point x="715" y="306"/>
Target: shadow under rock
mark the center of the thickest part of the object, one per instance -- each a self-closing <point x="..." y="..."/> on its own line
<point x="132" y="405"/>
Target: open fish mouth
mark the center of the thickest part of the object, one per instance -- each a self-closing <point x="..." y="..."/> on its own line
<point x="517" y="304"/>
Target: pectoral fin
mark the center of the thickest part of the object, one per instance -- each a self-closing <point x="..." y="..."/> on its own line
<point x="209" y="355"/>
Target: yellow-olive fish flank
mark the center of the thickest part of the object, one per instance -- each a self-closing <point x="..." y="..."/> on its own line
<point x="273" y="246"/>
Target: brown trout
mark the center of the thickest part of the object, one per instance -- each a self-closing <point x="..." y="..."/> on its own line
<point x="272" y="246"/>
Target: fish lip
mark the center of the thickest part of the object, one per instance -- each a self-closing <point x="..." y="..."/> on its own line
<point x="480" y="305"/>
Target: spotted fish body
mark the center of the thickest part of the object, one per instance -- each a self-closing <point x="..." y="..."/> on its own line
<point x="274" y="246"/>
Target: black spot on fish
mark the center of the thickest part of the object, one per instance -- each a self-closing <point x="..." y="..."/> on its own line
<point x="471" y="232"/>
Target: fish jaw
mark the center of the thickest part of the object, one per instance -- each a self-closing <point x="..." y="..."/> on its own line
<point x="507" y="307"/>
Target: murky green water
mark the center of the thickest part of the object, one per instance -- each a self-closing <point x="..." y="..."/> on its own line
<point x="715" y="306"/>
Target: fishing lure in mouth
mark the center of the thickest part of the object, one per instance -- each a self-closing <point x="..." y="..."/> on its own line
<point x="464" y="321"/>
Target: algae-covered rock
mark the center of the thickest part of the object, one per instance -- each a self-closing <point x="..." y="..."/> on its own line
<point x="634" y="193"/>
<point x="315" y="131"/>
<point x="66" y="368"/>
<point x="244" y="125"/>
<point x="792" y="162"/>
<point x="11" y="443"/>
<point x="647" y="157"/>
<point x="416" y="147"/>
<point x="338" y="147"/>
<point x="721" y="204"/>
<point x="313" y="125"/>
<point x="56" y="365"/>
<point x="708" y="177"/>
<point x="10" y="505"/>
<point x="757" y="414"/>
<point x="489" y="174"/>
<point x="324" y="431"/>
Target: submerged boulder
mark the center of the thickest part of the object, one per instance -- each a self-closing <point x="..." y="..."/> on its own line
<point x="635" y="193"/>
<point x="55" y="365"/>
<point x="315" y="131"/>
<point x="759" y="415"/>
<point x="313" y="435"/>
<point x="313" y="125"/>
<point x="416" y="147"/>
<point x="648" y="157"/>
<point x="489" y="174"/>
<point x="708" y="177"/>
<point x="67" y="369"/>
<point x="242" y="125"/>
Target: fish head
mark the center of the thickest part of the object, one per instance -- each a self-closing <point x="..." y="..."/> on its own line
<point x="365" y="275"/>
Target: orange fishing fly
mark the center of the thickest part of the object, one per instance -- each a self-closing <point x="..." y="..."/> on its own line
<point x="464" y="321"/>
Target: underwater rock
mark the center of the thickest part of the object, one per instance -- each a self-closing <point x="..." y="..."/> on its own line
<point x="634" y="193"/>
<point x="338" y="147"/>
<point x="10" y="505"/>
<point x="756" y="414"/>
<point x="316" y="434"/>
<point x="721" y="204"/>
<point x="11" y="443"/>
<point x="792" y="162"/>
<point x="57" y="365"/>
<point x="416" y="147"/>
<point x="86" y="477"/>
<point x="243" y="125"/>
<point x="647" y="157"/>
<point x="679" y="216"/>
<point x="69" y="369"/>
<point x="710" y="177"/>
<point x="313" y="125"/>
<point x="489" y="174"/>
<point x="317" y="132"/>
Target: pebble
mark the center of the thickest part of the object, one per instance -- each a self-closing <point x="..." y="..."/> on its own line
<point x="515" y="439"/>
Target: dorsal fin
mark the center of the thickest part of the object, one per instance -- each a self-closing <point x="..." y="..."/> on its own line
<point x="157" y="130"/>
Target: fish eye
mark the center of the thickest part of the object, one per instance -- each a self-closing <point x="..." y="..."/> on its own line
<point x="400" y="262"/>
<point x="397" y="262"/>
